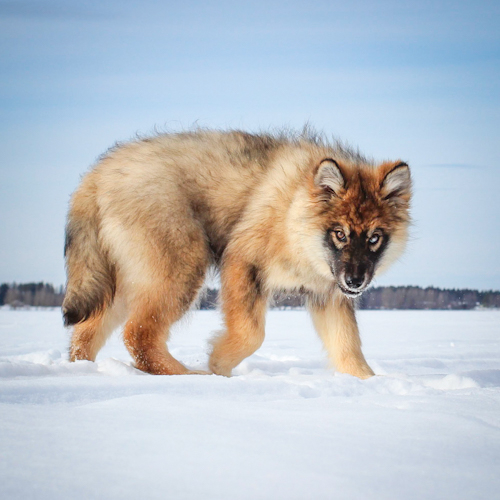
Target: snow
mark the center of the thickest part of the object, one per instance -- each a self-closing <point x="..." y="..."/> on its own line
<point x="283" y="427"/>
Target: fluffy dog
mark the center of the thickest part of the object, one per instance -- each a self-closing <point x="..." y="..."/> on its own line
<point x="271" y="212"/>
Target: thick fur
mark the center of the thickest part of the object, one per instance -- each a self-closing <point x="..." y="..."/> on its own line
<point x="278" y="212"/>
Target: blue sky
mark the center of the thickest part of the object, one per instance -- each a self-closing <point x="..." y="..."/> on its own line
<point x="413" y="80"/>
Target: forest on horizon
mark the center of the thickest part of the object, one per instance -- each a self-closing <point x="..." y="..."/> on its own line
<point x="384" y="297"/>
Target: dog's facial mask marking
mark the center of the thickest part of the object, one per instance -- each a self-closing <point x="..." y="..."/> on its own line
<point x="355" y="258"/>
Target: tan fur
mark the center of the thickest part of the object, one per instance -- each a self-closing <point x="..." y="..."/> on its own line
<point x="154" y="214"/>
<point x="336" y="325"/>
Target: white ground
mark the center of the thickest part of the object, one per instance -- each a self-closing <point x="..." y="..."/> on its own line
<point x="284" y="427"/>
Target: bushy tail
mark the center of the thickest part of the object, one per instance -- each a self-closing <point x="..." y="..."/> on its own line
<point x="91" y="278"/>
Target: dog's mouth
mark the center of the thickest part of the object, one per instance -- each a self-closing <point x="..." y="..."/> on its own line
<point x="348" y="292"/>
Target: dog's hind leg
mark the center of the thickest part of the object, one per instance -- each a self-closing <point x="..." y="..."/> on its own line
<point x="147" y="329"/>
<point x="90" y="335"/>
<point x="156" y="305"/>
<point x="145" y="336"/>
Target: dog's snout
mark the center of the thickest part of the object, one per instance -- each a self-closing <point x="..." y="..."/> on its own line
<point x="353" y="281"/>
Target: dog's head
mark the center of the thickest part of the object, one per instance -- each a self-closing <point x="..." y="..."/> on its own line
<point x="365" y="213"/>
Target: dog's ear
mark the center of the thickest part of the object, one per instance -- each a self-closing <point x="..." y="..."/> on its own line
<point x="329" y="177"/>
<point x="397" y="182"/>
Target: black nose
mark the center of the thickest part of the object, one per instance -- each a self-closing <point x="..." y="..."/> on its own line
<point x="354" y="281"/>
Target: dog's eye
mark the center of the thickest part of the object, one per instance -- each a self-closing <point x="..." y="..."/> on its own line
<point x="340" y="236"/>
<point x="374" y="239"/>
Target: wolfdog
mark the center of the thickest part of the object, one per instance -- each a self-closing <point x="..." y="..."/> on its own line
<point x="271" y="212"/>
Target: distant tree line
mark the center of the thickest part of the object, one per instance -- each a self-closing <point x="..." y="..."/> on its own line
<point x="31" y="294"/>
<point x="414" y="297"/>
<point x="395" y="297"/>
<point x="383" y="297"/>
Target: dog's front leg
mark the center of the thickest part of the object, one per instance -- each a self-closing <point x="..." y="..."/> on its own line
<point x="335" y="321"/>
<point x="244" y="304"/>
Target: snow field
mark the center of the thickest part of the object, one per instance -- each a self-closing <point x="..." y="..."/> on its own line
<point x="283" y="427"/>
